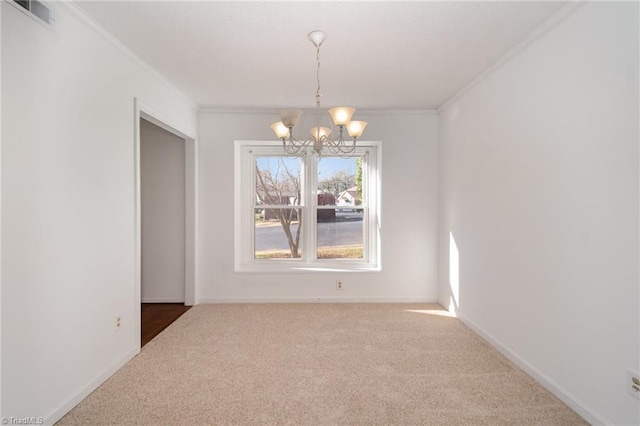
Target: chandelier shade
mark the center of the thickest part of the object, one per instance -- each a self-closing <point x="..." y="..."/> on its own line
<point x="320" y="135"/>
<point x="280" y="130"/>
<point x="342" y="115"/>
<point x="356" y="128"/>
<point x="290" y="117"/>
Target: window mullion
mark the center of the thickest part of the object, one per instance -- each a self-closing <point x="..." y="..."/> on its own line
<point x="371" y="182"/>
<point x="311" y="200"/>
<point x="249" y="224"/>
<point x="366" y="201"/>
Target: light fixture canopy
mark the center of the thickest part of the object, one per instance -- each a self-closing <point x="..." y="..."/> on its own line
<point x="317" y="37"/>
<point x="320" y="135"/>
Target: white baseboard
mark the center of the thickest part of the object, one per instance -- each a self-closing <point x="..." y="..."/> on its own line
<point x="574" y="403"/>
<point x="93" y="385"/>
<point x="206" y="300"/>
<point x="162" y="300"/>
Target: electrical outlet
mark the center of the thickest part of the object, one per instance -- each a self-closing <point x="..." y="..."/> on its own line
<point x="118" y="322"/>
<point x="339" y="285"/>
<point x="633" y="383"/>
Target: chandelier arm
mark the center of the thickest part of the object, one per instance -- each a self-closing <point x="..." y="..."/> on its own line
<point x="334" y="143"/>
<point x="345" y="149"/>
<point x="292" y="149"/>
<point x="288" y="149"/>
<point x="352" y="147"/>
<point x="294" y="142"/>
<point x="340" y="147"/>
<point x="294" y="146"/>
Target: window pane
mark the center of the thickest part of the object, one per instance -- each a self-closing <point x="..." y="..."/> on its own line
<point x="341" y="237"/>
<point x="278" y="181"/>
<point x="340" y="181"/>
<point x="276" y="233"/>
<point x="340" y="230"/>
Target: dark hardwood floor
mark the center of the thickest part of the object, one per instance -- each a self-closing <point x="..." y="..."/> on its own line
<point x="158" y="316"/>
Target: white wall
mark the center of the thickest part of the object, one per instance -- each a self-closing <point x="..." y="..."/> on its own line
<point x="1" y="101"/>
<point x="409" y="220"/>
<point x="539" y="188"/>
<point x="68" y="210"/>
<point x="162" y="193"/>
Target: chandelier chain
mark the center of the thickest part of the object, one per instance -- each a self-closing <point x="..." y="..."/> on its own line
<point x="318" y="94"/>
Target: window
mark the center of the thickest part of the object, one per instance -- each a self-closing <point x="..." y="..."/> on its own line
<point x="306" y="213"/>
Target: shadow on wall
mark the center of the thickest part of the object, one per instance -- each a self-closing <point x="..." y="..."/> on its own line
<point x="454" y="274"/>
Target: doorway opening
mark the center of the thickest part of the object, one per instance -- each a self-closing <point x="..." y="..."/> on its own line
<point x="165" y="223"/>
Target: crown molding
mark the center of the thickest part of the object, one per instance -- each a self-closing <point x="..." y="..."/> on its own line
<point x="72" y="8"/>
<point x="274" y="111"/>
<point x="553" y="21"/>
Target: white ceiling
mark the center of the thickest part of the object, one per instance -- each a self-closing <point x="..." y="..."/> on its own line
<point x="390" y="55"/>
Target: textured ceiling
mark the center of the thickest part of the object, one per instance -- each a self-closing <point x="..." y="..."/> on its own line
<point x="376" y="55"/>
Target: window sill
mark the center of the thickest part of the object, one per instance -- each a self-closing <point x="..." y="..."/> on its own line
<point x="285" y="267"/>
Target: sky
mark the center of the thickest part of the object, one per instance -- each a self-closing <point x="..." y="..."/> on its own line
<point x="327" y="166"/>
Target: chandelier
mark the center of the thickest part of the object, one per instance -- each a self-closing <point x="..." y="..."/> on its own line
<point x="320" y="136"/>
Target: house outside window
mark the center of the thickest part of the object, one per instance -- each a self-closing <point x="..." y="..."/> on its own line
<point x="307" y="212"/>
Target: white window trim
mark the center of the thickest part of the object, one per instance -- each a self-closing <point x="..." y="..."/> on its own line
<point x="244" y="261"/>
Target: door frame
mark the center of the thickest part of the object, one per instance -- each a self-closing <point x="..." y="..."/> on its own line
<point x="142" y="111"/>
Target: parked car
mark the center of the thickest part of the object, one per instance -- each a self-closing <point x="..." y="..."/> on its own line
<point x="345" y="206"/>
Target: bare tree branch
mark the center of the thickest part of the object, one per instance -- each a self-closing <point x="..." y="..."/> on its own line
<point x="271" y="190"/>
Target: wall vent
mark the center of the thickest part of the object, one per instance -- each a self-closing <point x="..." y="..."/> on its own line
<point x="35" y="9"/>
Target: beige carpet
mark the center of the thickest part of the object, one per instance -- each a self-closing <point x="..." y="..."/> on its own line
<point x="310" y="364"/>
